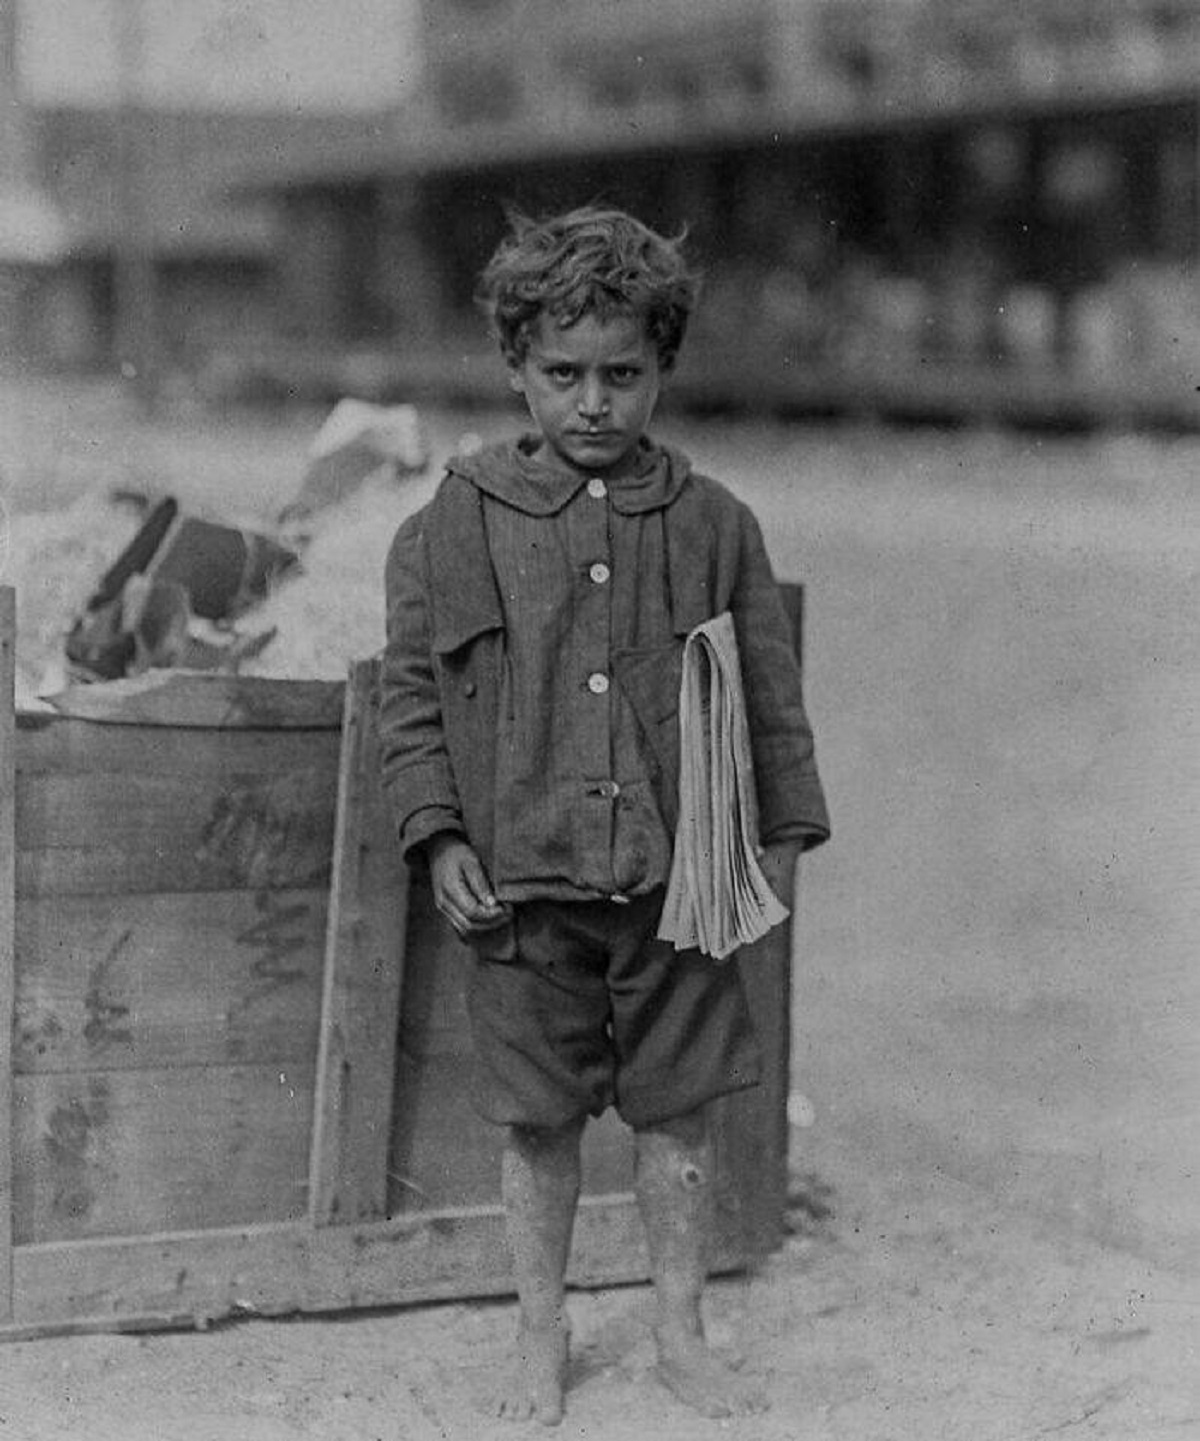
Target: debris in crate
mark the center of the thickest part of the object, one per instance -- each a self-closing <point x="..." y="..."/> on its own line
<point x="172" y="597"/>
<point x="224" y="570"/>
<point x="182" y="591"/>
<point x="359" y="441"/>
<point x="167" y="631"/>
<point x="330" y="609"/>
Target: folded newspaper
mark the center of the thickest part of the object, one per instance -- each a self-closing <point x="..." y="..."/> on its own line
<point x="717" y="896"/>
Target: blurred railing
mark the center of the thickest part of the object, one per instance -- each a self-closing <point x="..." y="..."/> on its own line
<point x="667" y="67"/>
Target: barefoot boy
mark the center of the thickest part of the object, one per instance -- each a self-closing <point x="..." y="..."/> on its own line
<point x="537" y="610"/>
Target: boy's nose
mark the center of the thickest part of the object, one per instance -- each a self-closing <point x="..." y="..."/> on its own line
<point x="592" y="399"/>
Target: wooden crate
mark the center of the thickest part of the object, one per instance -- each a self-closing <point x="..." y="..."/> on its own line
<point x="232" y="1033"/>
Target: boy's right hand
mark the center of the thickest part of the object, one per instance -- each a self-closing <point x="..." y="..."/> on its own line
<point x="461" y="889"/>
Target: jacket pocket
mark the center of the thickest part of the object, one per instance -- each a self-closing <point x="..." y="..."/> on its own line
<point x="649" y="680"/>
<point x="498" y="945"/>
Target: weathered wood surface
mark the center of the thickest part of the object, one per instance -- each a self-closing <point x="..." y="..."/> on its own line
<point x="62" y="745"/>
<point x="129" y="1153"/>
<point x="185" y="1278"/>
<point x="125" y="982"/>
<point x="8" y="660"/>
<point x="364" y="966"/>
<point x="210" y="825"/>
<point x="184" y="699"/>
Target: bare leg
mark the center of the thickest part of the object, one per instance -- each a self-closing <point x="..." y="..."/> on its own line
<point x="540" y="1186"/>
<point x="674" y="1188"/>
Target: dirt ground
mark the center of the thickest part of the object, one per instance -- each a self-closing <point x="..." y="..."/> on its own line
<point x="996" y="1225"/>
<point x="920" y="1310"/>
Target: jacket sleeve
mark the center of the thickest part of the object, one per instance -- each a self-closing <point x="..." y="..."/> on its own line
<point x="415" y="765"/>
<point x="790" y="798"/>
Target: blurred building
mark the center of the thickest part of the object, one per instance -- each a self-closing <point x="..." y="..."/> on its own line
<point x="917" y="204"/>
<point x="160" y="188"/>
<point x="33" y="235"/>
<point x="910" y="204"/>
<point x="158" y="259"/>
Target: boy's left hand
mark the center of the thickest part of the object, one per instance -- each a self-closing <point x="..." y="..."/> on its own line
<point x="778" y="862"/>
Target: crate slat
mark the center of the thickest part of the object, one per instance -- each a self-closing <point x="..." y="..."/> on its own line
<point x="127" y="982"/>
<point x="364" y="964"/>
<point x="63" y="745"/>
<point x="105" y="1153"/>
<point x="191" y="700"/>
<point x="8" y="661"/>
<point x="101" y="833"/>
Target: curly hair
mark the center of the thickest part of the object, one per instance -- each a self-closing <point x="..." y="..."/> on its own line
<point x="590" y="261"/>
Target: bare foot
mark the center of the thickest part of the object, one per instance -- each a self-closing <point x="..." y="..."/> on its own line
<point x="535" y="1389"/>
<point x="702" y="1381"/>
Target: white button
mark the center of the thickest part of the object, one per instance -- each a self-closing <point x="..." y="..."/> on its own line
<point x="610" y="790"/>
<point x="597" y="683"/>
<point x="596" y="488"/>
<point x="599" y="572"/>
<point x="619" y="899"/>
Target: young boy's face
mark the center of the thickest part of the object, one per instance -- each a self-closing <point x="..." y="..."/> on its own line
<point x="591" y="388"/>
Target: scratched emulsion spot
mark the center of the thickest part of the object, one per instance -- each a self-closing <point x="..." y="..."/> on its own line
<point x="67" y="1142"/>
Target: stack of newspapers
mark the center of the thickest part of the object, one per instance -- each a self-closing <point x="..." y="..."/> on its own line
<point x="717" y="897"/>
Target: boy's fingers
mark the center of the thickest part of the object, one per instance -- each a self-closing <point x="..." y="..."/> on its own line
<point x="466" y="900"/>
<point x="478" y="888"/>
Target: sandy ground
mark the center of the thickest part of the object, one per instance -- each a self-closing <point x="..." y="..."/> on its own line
<point x="921" y="1310"/>
<point x="996" y="1018"/>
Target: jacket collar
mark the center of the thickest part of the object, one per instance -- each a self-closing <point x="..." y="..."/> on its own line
<point x="514" y="474"/>
<point x="466" y="598"/>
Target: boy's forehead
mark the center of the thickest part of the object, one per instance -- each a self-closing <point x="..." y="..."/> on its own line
<point x="589" y="334"/>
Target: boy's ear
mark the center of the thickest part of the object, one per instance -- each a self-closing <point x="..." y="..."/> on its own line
<point x="516" y="381"/>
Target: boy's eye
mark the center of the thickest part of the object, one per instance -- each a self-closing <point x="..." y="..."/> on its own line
<point x="624" y="374"/>
<point x="561" y="374"/>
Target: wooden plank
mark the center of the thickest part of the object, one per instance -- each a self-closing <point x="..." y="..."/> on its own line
<point x="279" y="1269"/>
<point x="107" y="1153"/>
<point x="751" y="1129"/>
<point x="8" y="660"/>
<point x="105" y="832"/>
<point x="364" y="962"/>
<point x="191" y="699"/>
<point x="57" y="745"/>
<point x="177" y="1278"/>
<point x="123" y="982"/>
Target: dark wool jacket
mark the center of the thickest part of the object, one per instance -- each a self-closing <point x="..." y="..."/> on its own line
<point x="442" y="665"/>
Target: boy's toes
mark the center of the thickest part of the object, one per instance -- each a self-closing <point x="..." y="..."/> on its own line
<point x="702" y="1381"/>
<point x="534" y="1390"/>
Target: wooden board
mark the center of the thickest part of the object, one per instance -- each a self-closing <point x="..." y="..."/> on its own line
<point x="363" y="973"/>
<point x="191" y="700"/>
<point x="60" y="745"/>
<point x="89" y="833"/>
<point x="125" y="982"/>
<point x="130" y="1153"/>
<point x="193" y="1278"/>
<point x="8" y="659"/>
